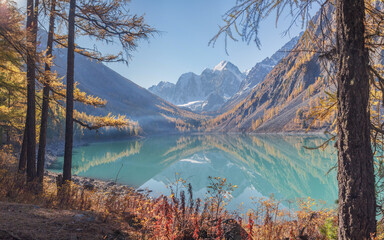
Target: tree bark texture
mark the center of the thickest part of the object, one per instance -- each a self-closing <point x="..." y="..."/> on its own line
<point x="45" y="105"/>
<point x="31" y="111"/>
<point x="23" y="152"/>
<point x="70" y="86"/>
<point x="356" y="213"/>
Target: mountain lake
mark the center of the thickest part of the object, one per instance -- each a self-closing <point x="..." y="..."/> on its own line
<point x="260" y="165"/>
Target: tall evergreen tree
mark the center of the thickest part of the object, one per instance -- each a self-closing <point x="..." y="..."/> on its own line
<point x="356" y="178"/>
<point x="31" y="105"/>
<point x="67" y="167"/>
<point x="52" y="84"/>
<point x="357" y="203"/>
<point x="106" y="21"/>
<point x="46" y="91"/>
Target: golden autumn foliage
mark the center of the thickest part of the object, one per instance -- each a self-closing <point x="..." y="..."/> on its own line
<point x="12" y="77"/>
<point x="13" y="49"/>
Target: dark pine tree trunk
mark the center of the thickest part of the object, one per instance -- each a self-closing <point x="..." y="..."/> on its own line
<point x="70" y="85"/>
<point x="355" y="175"/>
<point x="45" y="105"/>
<point x="23" y="153"/>
<point x="31" y="112"/>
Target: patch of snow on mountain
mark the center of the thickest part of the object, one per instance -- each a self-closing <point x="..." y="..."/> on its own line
<point x="190" y="104"/>
<point x="220" y="66"/>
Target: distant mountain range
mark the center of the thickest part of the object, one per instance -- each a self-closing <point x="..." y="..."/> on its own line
<point x="220" y="89"/>
<point x="273" y="96"/>
<point x="205" y="92"/>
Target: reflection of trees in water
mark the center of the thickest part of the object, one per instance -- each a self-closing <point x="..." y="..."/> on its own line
<point x="270" y="163"/>
<point x="184" y="145"/>
<point x="289" y="166"/>
<point x="291" y="169"/>
<point x="106" y="157"/>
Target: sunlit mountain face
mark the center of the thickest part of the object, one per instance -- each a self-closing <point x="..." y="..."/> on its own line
<point x="260" y="166"/>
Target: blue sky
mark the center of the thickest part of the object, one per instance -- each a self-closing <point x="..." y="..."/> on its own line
<point x="186" y="28"/>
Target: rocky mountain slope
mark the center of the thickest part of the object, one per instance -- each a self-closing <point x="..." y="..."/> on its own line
<point x="258" y="73"/>
<point x="204" y="92"/>
<point x="280" y="103"/>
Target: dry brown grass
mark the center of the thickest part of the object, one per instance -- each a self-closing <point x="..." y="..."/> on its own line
<point x="179" y="216"/>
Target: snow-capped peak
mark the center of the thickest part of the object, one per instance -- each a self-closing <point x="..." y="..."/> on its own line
<point x="228" y="66"/>
<point x="225" y="65"/>
<point x="195" y="91"/>
<point x="220" y="66"/>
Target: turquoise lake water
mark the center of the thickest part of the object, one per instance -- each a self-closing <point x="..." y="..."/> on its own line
<point x="260" y="166"/>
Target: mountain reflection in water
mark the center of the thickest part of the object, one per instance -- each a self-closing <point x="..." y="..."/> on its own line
<point x="259" y="165"/>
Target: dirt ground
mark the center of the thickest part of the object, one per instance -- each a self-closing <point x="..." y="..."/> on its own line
<point x="30" y="222"/>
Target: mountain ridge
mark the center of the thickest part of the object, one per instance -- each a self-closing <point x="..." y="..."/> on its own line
<point x="258" y="73"/>
<point x="193" y="91"/>
<point x="124" y="97"/>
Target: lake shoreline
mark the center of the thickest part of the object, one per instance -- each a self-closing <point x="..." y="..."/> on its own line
<point x="96" y="184"/>
<point x="118" y="213"/>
